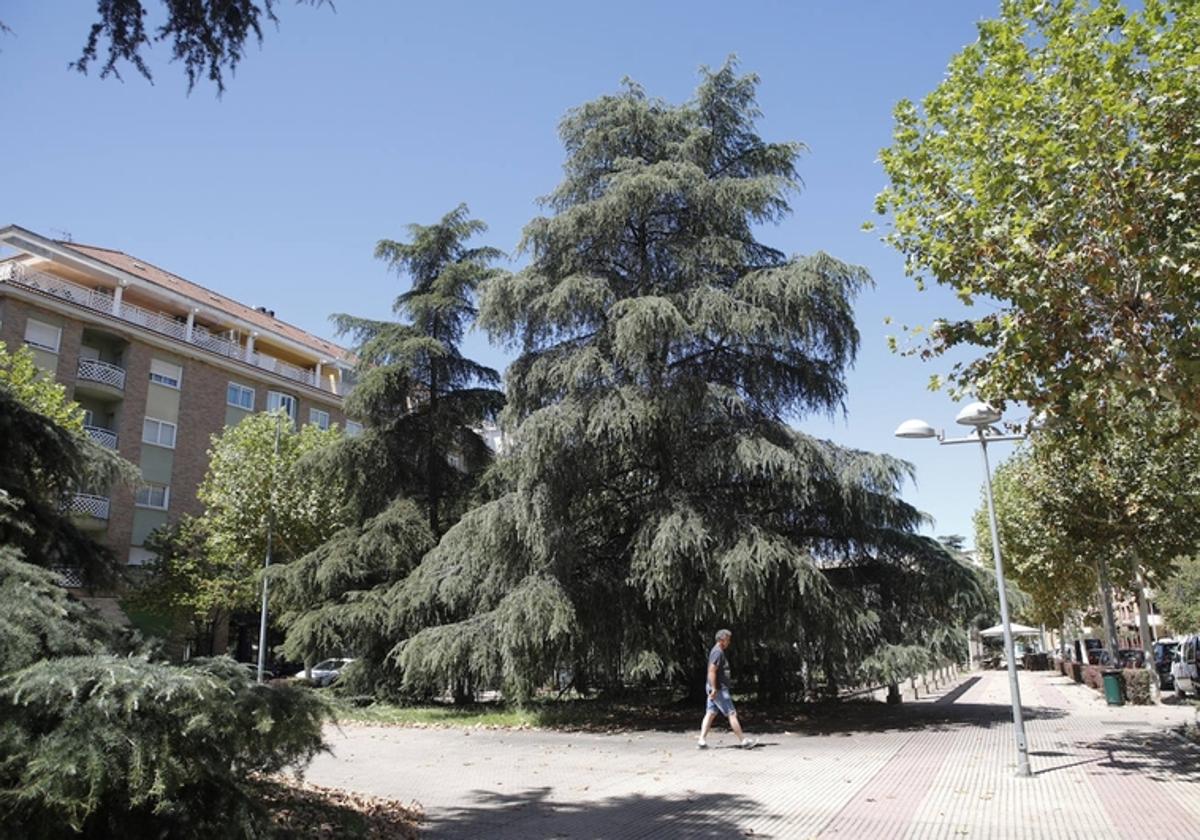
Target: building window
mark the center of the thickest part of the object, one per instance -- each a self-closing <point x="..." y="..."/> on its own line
<point x="139" y="556"/>
<point x="239" y="396"/>
<point x="165" y="373"/>
<point x="353" y="429"/>
<point x="287" y="402"/>
<point x="155" y="496"/>
<point x="318" y="417"/>
<point x="158" y="432"/>
<point x="42" y="335"/>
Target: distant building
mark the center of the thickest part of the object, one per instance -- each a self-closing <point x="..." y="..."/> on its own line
<point x="496" y="438"/>
<point x="159" y="365"/>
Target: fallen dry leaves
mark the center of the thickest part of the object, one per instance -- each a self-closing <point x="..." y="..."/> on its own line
<point x="303" y="810"/>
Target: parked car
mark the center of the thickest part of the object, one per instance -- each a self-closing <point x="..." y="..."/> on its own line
<point x="1132" y="657"/>
<point x="1164" y="656"/>
<point x="327" y="671"/>
<point x="1185" y="670"/>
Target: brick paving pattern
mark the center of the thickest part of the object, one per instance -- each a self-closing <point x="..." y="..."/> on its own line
<point x="938" y="768"/>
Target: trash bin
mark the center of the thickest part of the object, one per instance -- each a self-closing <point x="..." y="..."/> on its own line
<point x="1114" y="688"/>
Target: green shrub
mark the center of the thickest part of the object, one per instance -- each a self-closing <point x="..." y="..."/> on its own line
<point x="126" y="747"/>
<point x="1137" y="686"/>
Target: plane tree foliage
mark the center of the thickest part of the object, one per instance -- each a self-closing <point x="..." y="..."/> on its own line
<point x="1121" y="494"/>
<point x="1053" y="177"/>
<point x="414" y="470"/>
<point x="207" y="567"/>
<point x="1179" y="595"/>
<point x="656" y="490"/>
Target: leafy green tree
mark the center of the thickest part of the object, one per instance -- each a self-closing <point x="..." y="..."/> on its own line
<point x="209" y="567"/>
<point x="1052" y="173"/>
<point x="1110" y="507"/>
<point x="47" y="458"/>
<point x="1179" y="596"/>
<point x="412" y="473"/>
<point x="36" y="391"/>
<point x="1041" y="556"/>
<point x="655" y="492"/>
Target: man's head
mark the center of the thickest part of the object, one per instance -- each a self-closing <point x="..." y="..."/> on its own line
<point x="723" y="637"/>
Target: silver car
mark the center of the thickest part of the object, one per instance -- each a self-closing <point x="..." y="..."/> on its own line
<point x="326" y="671"/>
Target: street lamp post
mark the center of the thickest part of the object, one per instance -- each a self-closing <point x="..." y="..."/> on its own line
<point x="982" y="417"/>
<point x="262" y="623"/>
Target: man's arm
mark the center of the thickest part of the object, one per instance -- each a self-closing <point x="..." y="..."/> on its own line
<point x="712" y="679"/>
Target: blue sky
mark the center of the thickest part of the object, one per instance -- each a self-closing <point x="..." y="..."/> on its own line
<point x="347" y="125"/>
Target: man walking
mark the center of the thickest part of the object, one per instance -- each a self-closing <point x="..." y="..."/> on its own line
<point x="719" y="698"/>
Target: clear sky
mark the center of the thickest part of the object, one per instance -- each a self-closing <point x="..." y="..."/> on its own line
<point x="347" y="125"/>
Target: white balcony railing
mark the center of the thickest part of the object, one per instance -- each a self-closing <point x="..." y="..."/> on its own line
<point x="105" y="437"/>
<point x="69" y="577"/>
<point x="159" y="322"/>
<point x="89" y="504"/>
<point x="105" y="373"/>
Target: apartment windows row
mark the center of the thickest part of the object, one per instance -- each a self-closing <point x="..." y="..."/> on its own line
<point x="48" y="336"/>
<point x="242" y="396"/>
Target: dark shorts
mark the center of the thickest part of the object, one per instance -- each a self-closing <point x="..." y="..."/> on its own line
<point x="721" y="703"/>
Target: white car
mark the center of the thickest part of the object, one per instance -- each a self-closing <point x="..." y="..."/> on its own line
<point x="1185" y="670"/>
<point x="326" y="671"/>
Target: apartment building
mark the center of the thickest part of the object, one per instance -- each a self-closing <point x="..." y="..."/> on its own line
<point x="159" y="365"/>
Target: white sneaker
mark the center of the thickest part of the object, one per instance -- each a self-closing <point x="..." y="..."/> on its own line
<point x="702" y="744"/>
<point x="747" y="743"/>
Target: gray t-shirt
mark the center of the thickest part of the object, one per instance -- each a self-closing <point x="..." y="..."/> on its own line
<point x="716" y="656"/>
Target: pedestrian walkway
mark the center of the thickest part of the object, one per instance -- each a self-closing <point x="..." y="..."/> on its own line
<point x="939" y="768"/>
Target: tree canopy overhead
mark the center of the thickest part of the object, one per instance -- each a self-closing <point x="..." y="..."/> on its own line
<point x="1055" y="171"/>
<point x="208" y="36"/>
<point x="655" y="490"/>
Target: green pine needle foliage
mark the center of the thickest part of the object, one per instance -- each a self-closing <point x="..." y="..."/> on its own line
<point x="113" y="746"/>
<point x="656" y="490"/>
<point x="97" y="744"/>
<point x="415" y="469"/>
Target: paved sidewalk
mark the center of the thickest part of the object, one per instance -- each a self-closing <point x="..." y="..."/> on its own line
<point x="941" y="767"/>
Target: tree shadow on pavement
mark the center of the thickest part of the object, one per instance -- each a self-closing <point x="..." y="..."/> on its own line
<point x="849" y="718"/>
<point x="1160" y="756"/>
<point x="532" y="814"/>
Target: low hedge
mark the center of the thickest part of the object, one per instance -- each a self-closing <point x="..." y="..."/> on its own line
<point x="1137" y="686"/>
<point x="1093" y="677"/>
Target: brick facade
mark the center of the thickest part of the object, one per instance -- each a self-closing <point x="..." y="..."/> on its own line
<point x="201" y="407"/>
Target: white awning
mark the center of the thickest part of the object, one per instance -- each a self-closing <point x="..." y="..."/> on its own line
<point x="1017" y="630"/>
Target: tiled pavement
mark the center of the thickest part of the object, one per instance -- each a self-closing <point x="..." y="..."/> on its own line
<point x="941" y="767"/>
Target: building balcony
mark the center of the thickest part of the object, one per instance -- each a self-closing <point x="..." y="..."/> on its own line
<point x="99" y="300"/>
<point x="69" y="577"/>
<point x="89" y="510"/>
<point x="102" y="373"/>
<point x="105" y="437"/>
